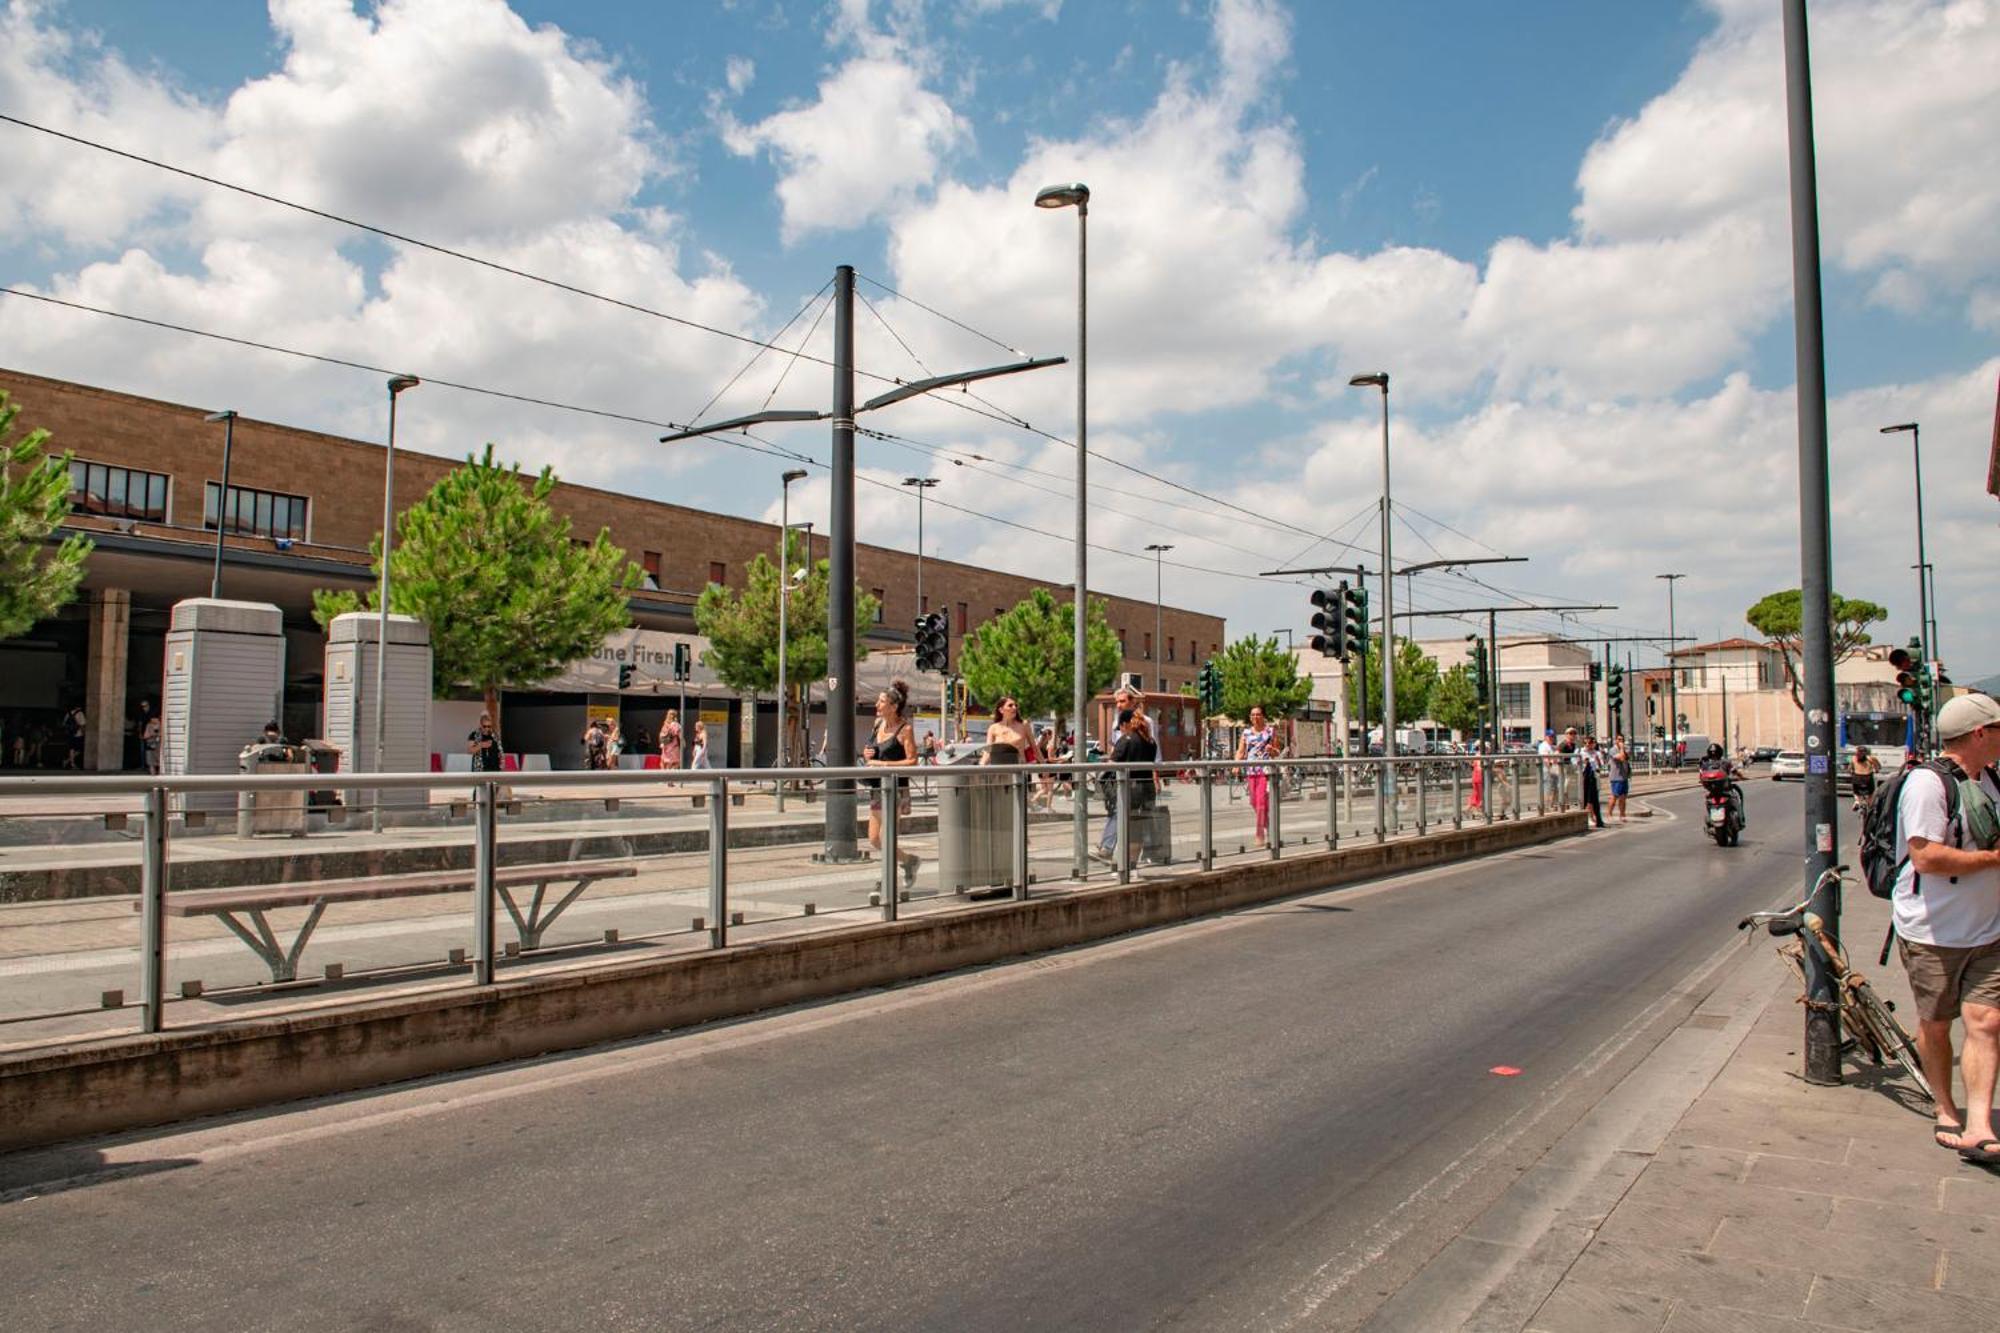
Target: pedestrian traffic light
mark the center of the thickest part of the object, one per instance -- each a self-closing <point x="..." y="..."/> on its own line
<point x="625" y="675"/>
<point x="1614" y="690"/>
<point x="1357" y="620"/>
<point x="933" y="642"/>
<point x="1330" y="620"/>
<point x="1208" y="684"/>
<point x="683" y="661"/>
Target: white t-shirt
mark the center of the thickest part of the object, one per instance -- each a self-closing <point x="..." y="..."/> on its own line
<point x="1959" y="914"/>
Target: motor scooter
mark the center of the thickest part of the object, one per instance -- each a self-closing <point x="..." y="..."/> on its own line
<point x="1722" y="814"/>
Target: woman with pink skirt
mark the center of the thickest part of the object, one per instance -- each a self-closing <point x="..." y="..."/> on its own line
<point x="1260" y="741"/>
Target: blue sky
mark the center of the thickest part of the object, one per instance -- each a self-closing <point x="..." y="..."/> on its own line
<point x="1560" y="225"/>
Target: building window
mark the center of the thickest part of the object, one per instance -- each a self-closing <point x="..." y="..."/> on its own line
<point x="923" y="606"/>
<point x="1149" y="645"/>
<point x="880" y="604"/>
<point x="1170" y="647"/>
<point x="256" y="513"/>
<point x="718" y="572"/>
<point x="651" y="564"/>
<point x="1514" y="698"/>
<point x="117" y="492"/>
<point x="1123" y="651"/>
<point x="961" y="619"/>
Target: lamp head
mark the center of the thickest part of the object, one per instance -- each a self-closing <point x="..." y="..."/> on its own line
<point x="1076" y="194"/>
<point x="229" y="415"/>
<point x="1378" y="379"/>
<point x="398" y="383"/>
<point x="1895" y="430"/>
<point x="796" y="474"/>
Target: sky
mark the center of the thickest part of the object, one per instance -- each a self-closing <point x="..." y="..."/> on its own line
<point x="1561" y="226"/>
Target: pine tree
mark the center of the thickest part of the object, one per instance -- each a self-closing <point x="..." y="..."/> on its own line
<point x="1029" y="653"/>
<point x="35" y="581"/>
<point x="1257" y="673"/>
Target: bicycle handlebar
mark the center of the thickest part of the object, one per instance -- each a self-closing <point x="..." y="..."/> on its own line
<point x="1838" y="874"/>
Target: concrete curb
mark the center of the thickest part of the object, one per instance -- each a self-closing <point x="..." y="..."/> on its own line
<point x="67" y="1092"/>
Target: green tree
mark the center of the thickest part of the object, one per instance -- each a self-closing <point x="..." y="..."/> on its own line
<point x="1257" y="673"/>
<point x="1416" y="677"/>
<point x="742" y="630"/>
<point x="487" y="563"/>
<point x="1779" y="618"/>
<point x="1455" y="700"/>
<point x="1029" y="652"/>
<point x="35" y="581"/>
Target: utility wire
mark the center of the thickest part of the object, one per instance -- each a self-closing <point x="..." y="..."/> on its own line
<point x="793" y="364"/>
<point x="431" y="246"/>
<point x="955" y="323"/>
<point x="754" y="356"/>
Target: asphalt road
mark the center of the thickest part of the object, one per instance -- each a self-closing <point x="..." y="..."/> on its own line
<point x="1264" y="1120"/>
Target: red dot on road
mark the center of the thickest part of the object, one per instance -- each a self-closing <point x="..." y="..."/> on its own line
<point x="1504" y="1071"/>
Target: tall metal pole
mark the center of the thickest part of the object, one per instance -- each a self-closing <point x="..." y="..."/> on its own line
<point x="784" y="605"/>
<point x="1822" y="1044"/>
<point x="397" y="384"/>
<point x="1080" y="687"/>
<point x="1388" y="598"/>
<point x="1159" y="551"/>
<point x="228" y="420"/>
<point x="1673" y="690"/>
<point x="840" y="581"/>
<point x="1493" y="669"/>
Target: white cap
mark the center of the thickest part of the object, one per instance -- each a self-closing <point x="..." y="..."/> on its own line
<point x="1967" y="713"/>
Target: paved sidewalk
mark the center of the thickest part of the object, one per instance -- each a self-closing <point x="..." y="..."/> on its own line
<point x="1773" y="1205"/>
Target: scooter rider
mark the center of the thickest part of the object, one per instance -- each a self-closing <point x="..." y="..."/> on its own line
<point x="1715" y="759"/>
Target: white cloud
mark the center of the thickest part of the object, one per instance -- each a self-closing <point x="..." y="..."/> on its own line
<point x="739" y="73"/>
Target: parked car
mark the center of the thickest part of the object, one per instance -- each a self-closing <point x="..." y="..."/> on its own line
<point x="1788" y="765"/>
<point x="1763" y="754"/>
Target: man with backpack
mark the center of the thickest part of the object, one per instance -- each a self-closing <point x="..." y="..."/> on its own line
<point x="1945" y="895"/>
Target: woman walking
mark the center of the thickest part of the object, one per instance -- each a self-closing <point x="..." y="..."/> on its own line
<point x="1621" y="776"/>
<point x="1861" y="776"/>
<point x="670" y="742"/>
<point x="1260" y="741"/>
<point x="894" y="746"/>
<point x="698" y="758"/>
<point x="1009" y="730"/>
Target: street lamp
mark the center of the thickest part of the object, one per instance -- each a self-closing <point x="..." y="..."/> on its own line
<point x="1077" y="195"/>
<point x="1673" y="692"/>
<point x="784" y="600"/>
<point x="1159" y="550"/>
<point x="1380" y="380"/>
<point x="1927" y="631"/>
<point x="397" y="383"/>
<point x="920" y="484"/>
<point x="228" y="420"/>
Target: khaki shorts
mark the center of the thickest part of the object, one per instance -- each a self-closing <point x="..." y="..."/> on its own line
<point x="1942" y="979"/>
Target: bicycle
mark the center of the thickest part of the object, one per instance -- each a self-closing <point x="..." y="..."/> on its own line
<point x="1867" y="1018"/>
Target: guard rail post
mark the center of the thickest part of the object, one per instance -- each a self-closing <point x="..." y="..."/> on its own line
<point x="153" y="915"/>
<point x="891" y="796"/>
<point x="485" y="846"/>
<point x="1123" y="824"/>
<point x="1332" y="809"/>
<point x="1207" y="848"/>
<point x="1023" y="784"/>
<point x="1517" y="788"/>
<point x="718" y="863"/>
<point x="1458" y="796"/>
<point x="1423" y="797"/>
<point x="1274" y="796"/>
<point x="1381" y="800"/>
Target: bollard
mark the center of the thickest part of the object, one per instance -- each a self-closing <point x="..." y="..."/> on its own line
<point x="891" y="788"/>
<point x="718" y="869"/>
<point x="485" y="829"/>
<point x="153" y="915"/>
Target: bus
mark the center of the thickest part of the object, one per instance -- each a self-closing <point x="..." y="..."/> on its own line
<point x="1889" y="732"/>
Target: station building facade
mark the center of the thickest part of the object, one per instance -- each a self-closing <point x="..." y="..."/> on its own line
<point x="302" y="510"/>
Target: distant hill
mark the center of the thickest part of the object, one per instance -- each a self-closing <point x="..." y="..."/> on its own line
<point x="1991" y="685"/>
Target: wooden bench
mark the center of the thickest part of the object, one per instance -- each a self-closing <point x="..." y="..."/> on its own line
<point x="243" y="910"/>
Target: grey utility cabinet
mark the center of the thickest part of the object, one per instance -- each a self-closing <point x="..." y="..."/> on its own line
<point x="350" y="702"/>
<point x="224" y="678"/>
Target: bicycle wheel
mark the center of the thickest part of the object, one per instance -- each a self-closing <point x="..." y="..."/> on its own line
<point x="1888" y="1033"/>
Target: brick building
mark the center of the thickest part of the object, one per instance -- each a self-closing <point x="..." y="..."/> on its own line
<point x="304" y="507"/>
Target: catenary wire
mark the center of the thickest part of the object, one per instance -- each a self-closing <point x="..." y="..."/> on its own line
<point x="756" y="355"/>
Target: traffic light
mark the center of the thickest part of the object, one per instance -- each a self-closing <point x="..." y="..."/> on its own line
<point x="1906" y="676"/>
<point x="1596" y="672"/>
<point x="1211" y="687"/>
<point x="1329" y="618"/>
<point x="1926" y="688"/>
<point x="625" y="675"/>
<point x="1357" y="619"/>
<point x="1481" y="679"/>
<point x="683" y="661"/>
<point x="1614" y="690"/>
<point x="933" y="643"/>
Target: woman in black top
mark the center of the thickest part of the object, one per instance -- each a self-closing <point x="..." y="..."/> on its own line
<point x="1135" y="746"/>
<point x="894" y="746"/>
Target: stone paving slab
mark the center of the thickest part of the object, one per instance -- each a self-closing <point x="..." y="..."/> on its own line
<point x="1776" y="1205"/>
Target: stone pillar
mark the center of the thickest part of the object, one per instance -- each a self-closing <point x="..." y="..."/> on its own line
<point x="104" y="679"/>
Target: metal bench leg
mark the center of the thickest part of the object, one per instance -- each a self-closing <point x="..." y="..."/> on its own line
<point x="284" y="963"/>
<point x="538" y="923"/>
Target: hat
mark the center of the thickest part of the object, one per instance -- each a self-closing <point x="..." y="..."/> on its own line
<point x="1967" y="713"/>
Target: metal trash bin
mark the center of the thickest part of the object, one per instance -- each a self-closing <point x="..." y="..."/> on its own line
<point x="260" y="811"/>
<point x="975" y="823"/>
<point x="322" y="757"/>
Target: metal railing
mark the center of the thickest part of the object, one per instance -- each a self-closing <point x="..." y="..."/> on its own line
<point x="531" y="831"/>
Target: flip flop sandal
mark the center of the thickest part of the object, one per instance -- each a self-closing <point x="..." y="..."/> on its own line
<point x="1940" y="1129"/>
<point x="1986" y="1152"/>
